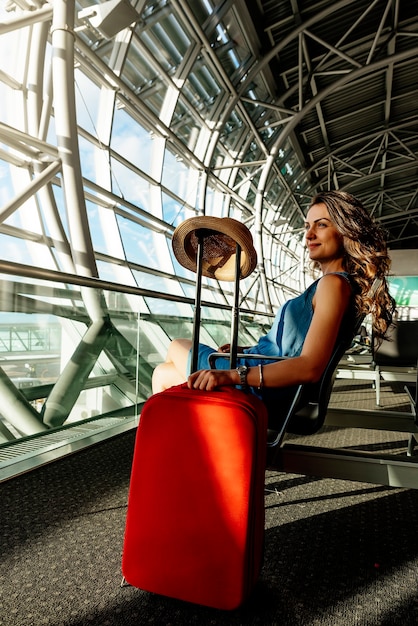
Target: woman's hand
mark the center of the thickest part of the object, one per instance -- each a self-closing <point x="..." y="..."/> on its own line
<point x="208" y="380"/>
<point x="227" y="348"/>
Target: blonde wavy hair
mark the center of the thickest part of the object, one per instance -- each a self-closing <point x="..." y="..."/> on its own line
<point x="366" y="257"/>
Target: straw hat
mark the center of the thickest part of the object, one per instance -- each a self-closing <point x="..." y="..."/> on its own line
<point x="221" y="234"/>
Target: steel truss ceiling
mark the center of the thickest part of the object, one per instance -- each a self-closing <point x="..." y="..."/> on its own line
<point x="245" y="108"/>
<point x="347" y="73"/>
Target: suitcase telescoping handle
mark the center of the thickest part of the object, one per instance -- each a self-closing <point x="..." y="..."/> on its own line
<point x="198" y="300"/>
<point x="235" y="311"/>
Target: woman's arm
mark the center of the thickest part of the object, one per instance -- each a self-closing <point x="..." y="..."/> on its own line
<point x="330" y="302"/>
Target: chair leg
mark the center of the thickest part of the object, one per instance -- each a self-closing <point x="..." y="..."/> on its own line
<point x="411" y="444"/>
<point x="377" y="384"/>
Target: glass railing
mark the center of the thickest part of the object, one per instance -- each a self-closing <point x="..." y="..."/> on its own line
<point x="74" y="350"/>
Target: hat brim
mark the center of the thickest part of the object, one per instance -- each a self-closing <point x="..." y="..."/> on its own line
<point x="220" y="236"/>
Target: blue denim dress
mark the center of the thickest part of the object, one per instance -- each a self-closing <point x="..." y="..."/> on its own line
<point x="284" y="339"/>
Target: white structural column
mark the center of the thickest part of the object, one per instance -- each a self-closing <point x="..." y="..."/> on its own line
<point x="38" y="117"/>
<point x="68" y="149"/>
<point x="258" y="212"/>
<point x="66" y="129"/>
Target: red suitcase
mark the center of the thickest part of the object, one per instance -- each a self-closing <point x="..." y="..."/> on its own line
<point x="195" y="520"/>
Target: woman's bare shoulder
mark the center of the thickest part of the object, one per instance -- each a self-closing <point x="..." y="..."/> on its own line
<point x="335" y="280"/>
<point x="334" y="287"/>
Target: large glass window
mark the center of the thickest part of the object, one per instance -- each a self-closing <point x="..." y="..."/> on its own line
<point x="152" y="119"/>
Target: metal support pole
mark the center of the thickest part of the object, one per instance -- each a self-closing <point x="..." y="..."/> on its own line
<point x="198" y="299"/>
<point x="72" y="380"/>
<point x="67" y="137"/>
<point x="235" y="311"/>
<point x="17" y="410"/>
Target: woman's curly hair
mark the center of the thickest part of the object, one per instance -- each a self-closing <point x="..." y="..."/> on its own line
<point x="366" y="257"/>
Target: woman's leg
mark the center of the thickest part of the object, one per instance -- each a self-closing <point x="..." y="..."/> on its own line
<point x="174" y="370"/>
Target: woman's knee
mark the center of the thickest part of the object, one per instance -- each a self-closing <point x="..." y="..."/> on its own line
<point x="178" y="350"/>
<point x="165" y="375"/>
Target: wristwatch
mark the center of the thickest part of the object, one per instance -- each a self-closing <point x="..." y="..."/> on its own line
<point x="242" y="371"/>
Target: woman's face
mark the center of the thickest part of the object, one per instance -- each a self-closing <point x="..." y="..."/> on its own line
<point x="324" y="242"/>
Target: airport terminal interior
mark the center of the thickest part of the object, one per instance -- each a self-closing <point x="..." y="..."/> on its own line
<point x="119" y="120"/>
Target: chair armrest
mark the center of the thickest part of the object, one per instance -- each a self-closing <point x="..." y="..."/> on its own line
<point x="243" y="355"/>
<point x="307" y="409"/>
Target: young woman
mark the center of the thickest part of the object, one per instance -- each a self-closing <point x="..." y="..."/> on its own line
<point x="350" y="250"/>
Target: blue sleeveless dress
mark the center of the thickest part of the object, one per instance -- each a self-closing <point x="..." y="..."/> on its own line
<point x="284" y="339"/>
